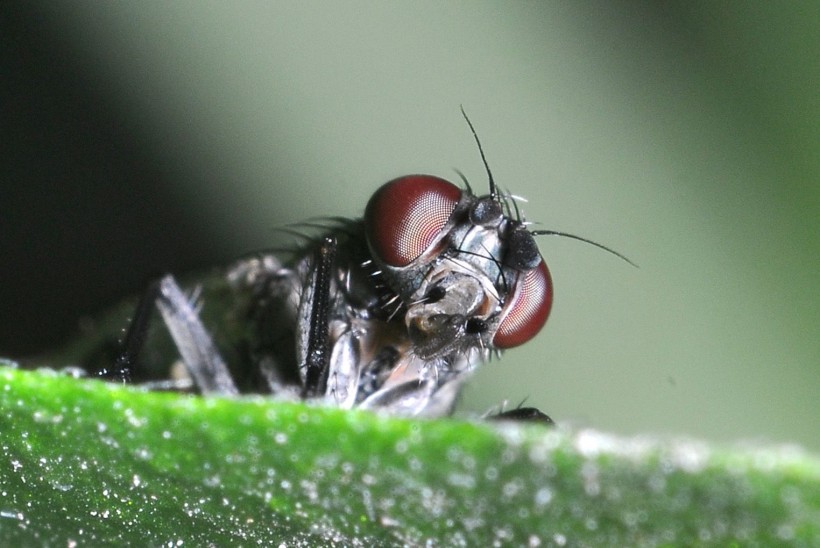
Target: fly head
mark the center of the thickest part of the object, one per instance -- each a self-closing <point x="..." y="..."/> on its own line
<point x="470" y="277"/>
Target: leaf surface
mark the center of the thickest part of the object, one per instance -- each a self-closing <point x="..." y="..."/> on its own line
<point x="101" y="464"/>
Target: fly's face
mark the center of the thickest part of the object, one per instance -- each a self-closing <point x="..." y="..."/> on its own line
<point x="469" y="275"/>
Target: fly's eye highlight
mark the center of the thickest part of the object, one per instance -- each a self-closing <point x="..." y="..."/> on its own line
<point x="407" y="215"/>
<point x="526" y="312"/>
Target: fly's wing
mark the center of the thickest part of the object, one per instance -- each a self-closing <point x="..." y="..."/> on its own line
<point x="196" y="347"/>
<point x="343" y="377"/>
<point x="246" y="312"/>
<point x="265" y="322"/>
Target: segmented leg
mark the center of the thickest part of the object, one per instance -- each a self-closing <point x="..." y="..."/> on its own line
<point x="315" y="307"/>
<point x="524" y="414"/>
<point x="134" y="339"/>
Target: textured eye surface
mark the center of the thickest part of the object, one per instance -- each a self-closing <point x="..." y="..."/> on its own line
<point x="527" y="311"/>
<point x="406" y="216"/>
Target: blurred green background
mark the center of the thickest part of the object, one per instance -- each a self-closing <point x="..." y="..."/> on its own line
<point x="146" y="137"/>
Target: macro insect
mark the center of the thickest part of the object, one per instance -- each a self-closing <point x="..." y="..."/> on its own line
<point x="389" y="312"/>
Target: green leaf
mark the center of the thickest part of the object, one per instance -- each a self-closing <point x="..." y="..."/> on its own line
<point x="101" y="464"/>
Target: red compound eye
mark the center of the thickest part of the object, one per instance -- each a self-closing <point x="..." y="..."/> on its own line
<point x="527" y="311"/>
<point x="406" y="216"/>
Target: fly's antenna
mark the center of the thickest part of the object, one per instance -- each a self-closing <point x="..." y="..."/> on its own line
<point x="493" y="189"/>
<point x="579" y="238"/>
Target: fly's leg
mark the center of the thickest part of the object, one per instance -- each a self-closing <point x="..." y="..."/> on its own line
<point x="195" y="345"/>
<point x="189" y="335"/>
<point x="126" y="360"/>
<point x="314" y="308"/>
<point x="524" y="414"/>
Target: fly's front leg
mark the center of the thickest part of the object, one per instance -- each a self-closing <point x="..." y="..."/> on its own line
<point x="530" y="415"/>
<point x="314" y="315"/>
<point x="195" y="345"/>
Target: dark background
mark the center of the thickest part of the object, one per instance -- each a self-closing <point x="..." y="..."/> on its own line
<point x="86" y="215"/>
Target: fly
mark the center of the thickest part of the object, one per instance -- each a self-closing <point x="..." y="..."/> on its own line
<point x="390" y="312"/>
